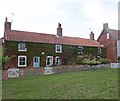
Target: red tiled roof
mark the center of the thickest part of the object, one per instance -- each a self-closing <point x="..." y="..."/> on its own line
<point x="14" y="35"/>
<point x="114" y="33"/>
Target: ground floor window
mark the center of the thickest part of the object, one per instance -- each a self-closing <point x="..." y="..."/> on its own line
<point x="58" y="61"/>
<point x="49" y="61"/>
<point x="22" y="61"/>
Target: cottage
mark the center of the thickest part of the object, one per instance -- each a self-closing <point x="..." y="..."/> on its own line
<point x="34" y="50"/>
<point x="110" y="38"/>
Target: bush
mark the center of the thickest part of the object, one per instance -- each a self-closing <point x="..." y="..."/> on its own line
<point x="5" y="60"/>
<point x="90" y="62"/>
<point x="105" y="61"/>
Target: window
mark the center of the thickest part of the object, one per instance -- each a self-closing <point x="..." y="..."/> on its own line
<point x="58" y="48"/>
<point x="36" y="59"/>
<point x="80" y="50"/>
<point x="22" y="60"/>
<point x="108" y="36"/>
<point x="58" y="61"/>
<point x="21" y="46"/>
<point x="49" y="61"/>
<point x="99" y="50"/>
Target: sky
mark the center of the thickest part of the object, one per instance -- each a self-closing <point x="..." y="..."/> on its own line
<point x="78" y="17"/>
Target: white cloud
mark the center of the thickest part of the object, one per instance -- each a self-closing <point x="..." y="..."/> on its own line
<point x="43" y="15"/>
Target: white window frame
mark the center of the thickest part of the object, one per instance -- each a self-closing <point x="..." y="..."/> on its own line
<point x="19" y="49"/>
<point x="108" y="36"/>
<point x="99" y="50"/>
<point x="80" y="50"/>
<point x="51" y="61"/>
<point x="57" y="57"/>
<point x="60" y="46"/>
<point x="19" y="61"/>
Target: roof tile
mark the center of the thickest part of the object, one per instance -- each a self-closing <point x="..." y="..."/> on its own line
<point x="15" y="35"/>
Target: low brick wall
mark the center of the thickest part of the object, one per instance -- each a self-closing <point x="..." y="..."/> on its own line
<point x="73" y="68"/>
<point x="24" y="72"/>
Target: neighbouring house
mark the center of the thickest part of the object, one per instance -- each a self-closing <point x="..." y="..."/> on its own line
<point x="110" y="38"/>
<point x="34" y="50"/>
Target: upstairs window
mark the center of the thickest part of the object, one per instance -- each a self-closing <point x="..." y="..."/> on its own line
<point x="58" y="48"/>
<point x="21" y="46"/>
<point x="99" y="50"/>
<point x="80" y="50"/>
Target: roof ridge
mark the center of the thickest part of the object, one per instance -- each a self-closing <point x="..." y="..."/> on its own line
<point x="49" y="34"/>
<point x="76" y="37"/>
<point x="113" y="29"/>
<point x="33" y="32"/>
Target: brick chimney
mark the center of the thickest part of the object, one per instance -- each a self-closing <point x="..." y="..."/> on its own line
<point x="59" y="30"/>
<point x="92" y="35"/>
<point x="105" y="26"/>
<point x="7" y="25"/>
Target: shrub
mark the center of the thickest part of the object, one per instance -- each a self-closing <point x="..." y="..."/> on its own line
<point x="90" y="62"/>
<point x="105" y="60"/>
<point x="5" y="60"/>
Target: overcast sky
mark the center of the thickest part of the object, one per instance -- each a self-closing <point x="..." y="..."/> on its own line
<point x="78" y="17"/>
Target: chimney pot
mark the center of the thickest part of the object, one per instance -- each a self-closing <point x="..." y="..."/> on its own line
<point x="105" y="26"/>
<point x="6" y="19"/>
<point x="59" y="30"/>
<point x="7" y="25"/>
<point x="92" y="35"/>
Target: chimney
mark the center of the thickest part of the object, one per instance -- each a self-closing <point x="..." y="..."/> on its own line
<point x="7" y="25"/>
<point x="92" y="35"/>
<point x="59" y="30"/>
<point x="105" y="26"/>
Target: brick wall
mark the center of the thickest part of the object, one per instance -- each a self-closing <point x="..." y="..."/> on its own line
<point x="23" y="72"/>
<point x="110" y="44"/>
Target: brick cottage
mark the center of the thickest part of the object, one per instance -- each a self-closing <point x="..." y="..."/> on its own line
<point x="34" y="50"/>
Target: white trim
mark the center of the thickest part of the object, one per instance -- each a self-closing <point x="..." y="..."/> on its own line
<point x="108" y="35"/>
<point x="56" y="60"/>
<point x="118" y="48"/>
<point x="22" y="50"/>
<point x="60" y="48"/>
<point x="51" y="61"/>
<point x="80" y="50"/>
<point x="19" y="61"/>
<point x="99" y="50"/>
<point x="19" y="47"/>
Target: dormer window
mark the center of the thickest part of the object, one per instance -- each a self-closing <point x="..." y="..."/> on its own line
<point x="58" y="48"/>
<point x="21" y="46"/>
<point x="108" y="35"/>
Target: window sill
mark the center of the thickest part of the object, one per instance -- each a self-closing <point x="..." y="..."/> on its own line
<point x="22" y="50"/>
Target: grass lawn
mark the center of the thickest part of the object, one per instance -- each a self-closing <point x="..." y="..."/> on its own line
<point x="92" y="84"/>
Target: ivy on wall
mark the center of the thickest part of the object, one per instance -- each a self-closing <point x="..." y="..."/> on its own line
<point x="69" y="53"/>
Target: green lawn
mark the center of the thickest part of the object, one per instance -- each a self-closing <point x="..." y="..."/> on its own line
<point x="93" y="84"/>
